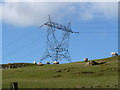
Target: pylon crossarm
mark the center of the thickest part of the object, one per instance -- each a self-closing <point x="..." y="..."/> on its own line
<point x="58" y="26"/>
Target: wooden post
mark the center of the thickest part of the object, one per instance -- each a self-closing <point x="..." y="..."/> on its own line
<point x="14" y="86"/>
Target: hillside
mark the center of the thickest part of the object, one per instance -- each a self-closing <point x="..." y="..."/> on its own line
<point x="69" y="75"/>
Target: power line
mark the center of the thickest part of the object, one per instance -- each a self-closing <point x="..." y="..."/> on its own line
<point x="23" y="46"/>
<point x="100" y="32"/>
<point x="22" y="37"/>
<point x="28" y="54"/>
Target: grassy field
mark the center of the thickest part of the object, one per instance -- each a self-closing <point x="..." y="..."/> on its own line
<point x="69" y="75"/>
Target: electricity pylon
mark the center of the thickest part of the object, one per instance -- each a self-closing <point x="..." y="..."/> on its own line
<point x="57" y="49"/>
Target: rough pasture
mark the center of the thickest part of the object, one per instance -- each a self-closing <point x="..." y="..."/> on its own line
<point x="69" y="75"/>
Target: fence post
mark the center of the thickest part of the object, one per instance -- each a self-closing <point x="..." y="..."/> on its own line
<point x="14" y="86"/>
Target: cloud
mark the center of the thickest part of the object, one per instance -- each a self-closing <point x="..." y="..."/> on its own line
<point x="25" y="14"/>
<point x="61" y="1"/>
<point x="107" y="11"/>
<point x="86" y="16"/>
<point x="30" y="14"/>
<point x="0" y="12"/>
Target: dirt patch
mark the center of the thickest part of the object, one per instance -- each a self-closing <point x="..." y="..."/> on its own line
<point x="88" y="72"/>
<point x="57" y="76"/>
<point x="102" y="62"/>
<point x="58" y="71"/>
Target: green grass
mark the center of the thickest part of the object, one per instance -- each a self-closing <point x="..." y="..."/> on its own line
<point x="69" y="75"/>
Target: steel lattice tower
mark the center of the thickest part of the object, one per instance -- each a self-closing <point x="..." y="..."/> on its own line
<point x="57" y="50"/>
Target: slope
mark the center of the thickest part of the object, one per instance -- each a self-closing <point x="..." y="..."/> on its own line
<point x="69" y="75"/>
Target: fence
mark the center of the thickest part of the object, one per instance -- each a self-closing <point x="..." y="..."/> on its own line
<point x="14" y="86"/>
